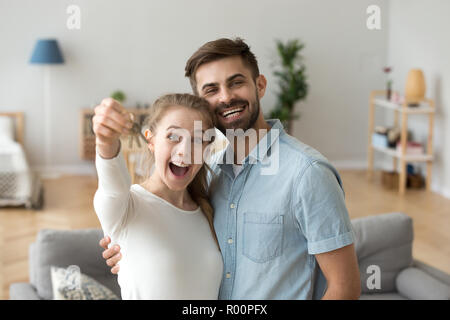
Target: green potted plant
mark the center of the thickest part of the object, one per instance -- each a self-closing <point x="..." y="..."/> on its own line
<point x="119" y="96"/>
<point x="292" y="83"/>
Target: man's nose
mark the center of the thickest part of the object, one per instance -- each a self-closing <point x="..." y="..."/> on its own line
<point x="225" y="95"/>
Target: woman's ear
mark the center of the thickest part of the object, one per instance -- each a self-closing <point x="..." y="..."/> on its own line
<point x="148" y="135"/>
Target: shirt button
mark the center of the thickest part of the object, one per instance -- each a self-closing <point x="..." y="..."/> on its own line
<point x="230" y="241"/>
<point x="232" y="206"/>
<point x="228" y="275"/>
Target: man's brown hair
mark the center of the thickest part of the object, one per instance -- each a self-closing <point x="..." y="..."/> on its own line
<point x="219" y="49"/>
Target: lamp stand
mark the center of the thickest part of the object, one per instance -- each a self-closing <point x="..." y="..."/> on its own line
<point x="48" y="125"/>
<point x="47" y="114"/>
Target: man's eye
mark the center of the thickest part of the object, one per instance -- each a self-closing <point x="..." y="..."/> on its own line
<point x="173" y="137"/>
<point x="210" y="91"/>
<point x="236" y="83"/>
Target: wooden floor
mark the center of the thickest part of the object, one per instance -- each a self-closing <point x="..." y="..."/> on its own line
<point x="69" y="206"/>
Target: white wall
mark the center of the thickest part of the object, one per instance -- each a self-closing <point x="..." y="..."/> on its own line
<point x="141" y="47"/>
<point x="418" y="38"/>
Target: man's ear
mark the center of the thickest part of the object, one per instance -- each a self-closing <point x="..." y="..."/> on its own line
<point x="261" y="84"/>
<point x="148" y="135"/>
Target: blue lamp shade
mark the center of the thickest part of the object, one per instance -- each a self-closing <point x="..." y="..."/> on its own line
<point x="47" y="51"/>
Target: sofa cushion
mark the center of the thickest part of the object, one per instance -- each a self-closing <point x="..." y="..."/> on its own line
<point x="416" y="284"/>
<point x="70" y="284"/>
<point x="384" y="241"/>
<point x="63" y="248"/>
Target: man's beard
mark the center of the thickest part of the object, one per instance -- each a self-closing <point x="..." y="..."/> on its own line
<point x="245" y="123"/>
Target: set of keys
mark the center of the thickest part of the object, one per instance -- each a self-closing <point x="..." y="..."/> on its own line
<point x="135" y="133"/>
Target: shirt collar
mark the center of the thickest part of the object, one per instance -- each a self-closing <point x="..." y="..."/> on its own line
<point x="263" y="147"/>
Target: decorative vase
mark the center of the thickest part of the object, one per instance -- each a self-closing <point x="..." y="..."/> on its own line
<point x="415" y="87"/>
<point x="389" y="90"/>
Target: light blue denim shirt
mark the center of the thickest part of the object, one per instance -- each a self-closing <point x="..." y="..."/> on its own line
<point x="284" y="206"/>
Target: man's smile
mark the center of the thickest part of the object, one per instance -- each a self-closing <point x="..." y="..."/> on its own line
<point x="233" y="113"/>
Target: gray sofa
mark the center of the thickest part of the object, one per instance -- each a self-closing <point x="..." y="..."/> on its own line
<point x="383" y="243"/>
<point x="63" y="248"/>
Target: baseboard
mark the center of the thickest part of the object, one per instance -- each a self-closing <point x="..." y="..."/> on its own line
<point x="444" y="192"/>
<point x="52" y="172"/>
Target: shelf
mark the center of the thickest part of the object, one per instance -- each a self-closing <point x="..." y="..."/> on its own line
<point x="378" y="99"/>
<point x="422" y="108"/>
<point x="407" y="157"/>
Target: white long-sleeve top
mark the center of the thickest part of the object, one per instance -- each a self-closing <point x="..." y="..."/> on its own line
<point x="168" y="253"/>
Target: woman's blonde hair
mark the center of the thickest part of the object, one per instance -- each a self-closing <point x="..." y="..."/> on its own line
<point x="198" y="188"/>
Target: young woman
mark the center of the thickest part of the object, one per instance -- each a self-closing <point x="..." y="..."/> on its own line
<point x="164" y="226"/>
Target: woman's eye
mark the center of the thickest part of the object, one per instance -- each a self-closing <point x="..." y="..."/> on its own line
<point x="173" y="137"/>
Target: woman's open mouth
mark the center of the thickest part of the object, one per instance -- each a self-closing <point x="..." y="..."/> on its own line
<point x="231" y="114"/>
<point x="179" y="170"/>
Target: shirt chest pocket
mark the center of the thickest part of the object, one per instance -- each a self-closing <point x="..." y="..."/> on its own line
<point x="262" y="236"/>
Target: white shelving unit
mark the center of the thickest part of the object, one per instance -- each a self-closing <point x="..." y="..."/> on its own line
<point x="426" y="107"/>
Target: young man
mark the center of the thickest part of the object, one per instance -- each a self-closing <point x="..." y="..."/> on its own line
<point x="282" y="233"/>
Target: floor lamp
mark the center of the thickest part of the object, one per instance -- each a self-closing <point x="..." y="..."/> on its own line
<point x="47" y="52"/>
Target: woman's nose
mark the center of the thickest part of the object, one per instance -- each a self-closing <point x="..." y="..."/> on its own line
<point x="182" y="152"/>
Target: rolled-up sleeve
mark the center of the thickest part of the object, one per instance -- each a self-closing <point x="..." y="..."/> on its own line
<point x="319" y="206"/>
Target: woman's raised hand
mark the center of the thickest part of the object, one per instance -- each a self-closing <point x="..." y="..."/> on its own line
<point x="111" y="120"/>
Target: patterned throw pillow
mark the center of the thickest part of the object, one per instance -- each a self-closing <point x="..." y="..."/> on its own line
<point x="70" y="284"/>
